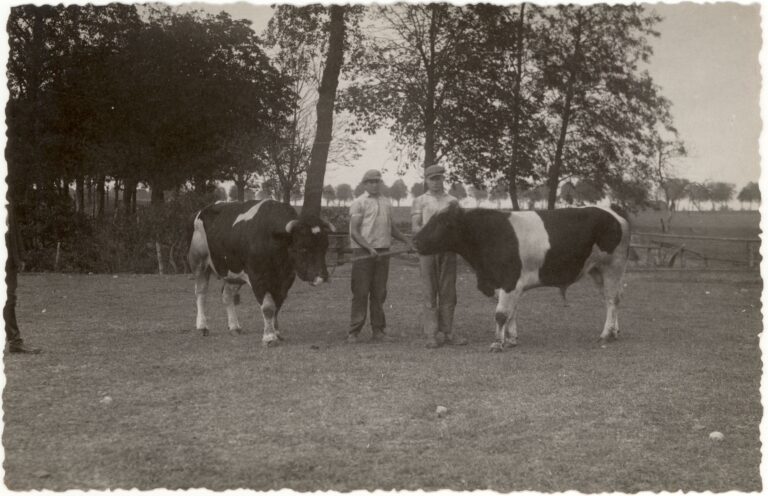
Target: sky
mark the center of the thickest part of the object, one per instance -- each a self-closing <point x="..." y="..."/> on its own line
<point x="706" y="63"/>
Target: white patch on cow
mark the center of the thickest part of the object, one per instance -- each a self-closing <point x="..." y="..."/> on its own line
<point x="250" y="213"/>
<point x="316" y="230"/>
<point x="533" y="245"/>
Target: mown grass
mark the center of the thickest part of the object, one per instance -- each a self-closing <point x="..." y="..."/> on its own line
<point x="558" y="412"/>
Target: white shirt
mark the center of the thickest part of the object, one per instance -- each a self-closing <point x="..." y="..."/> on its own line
<point x="430" y="203"/>
<point x="376" y="227"/>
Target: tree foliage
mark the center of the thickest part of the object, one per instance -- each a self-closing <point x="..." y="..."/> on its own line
<point x="398" y="191"/>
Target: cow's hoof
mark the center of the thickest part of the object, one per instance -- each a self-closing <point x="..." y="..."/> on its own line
<point x="279" y="337"/>
<point x="205" y="331"/>
<point x="269" y="343"/>
<point x="236" y="330"/>
<point x="509" y="344"/>
<point x="496" y="347"/>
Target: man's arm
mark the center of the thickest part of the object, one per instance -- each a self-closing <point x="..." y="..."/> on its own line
<point x="416" y="216"/>
<point x="400" y="236"/>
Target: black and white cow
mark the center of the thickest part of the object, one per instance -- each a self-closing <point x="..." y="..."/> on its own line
<point x="517" y="251"/>
<point x="261" y="243"/>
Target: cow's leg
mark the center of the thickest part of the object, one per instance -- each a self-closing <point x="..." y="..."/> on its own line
<point x="230" y="297"/>
<point x="268" y="311"/>
<point x="609" y="279"/>
<point x="279" y="297"/>
<point x="203" y="273"/>
<point x="506" y="310"/>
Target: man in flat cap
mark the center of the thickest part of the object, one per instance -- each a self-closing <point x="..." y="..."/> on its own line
<point x="371" y="231"/>
<point x="438" y="272"/>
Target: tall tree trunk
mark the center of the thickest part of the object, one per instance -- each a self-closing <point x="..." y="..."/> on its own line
<point x="200" y="184"/>
<point x="129" y="195"/>
<point x="313" y="191"/>
<point x="100" y="196"/>
<point x="158" y="196"/>
<point x="80" y="194"/>
<point x="554" y="171"/>
<point x="517" y="106"/>
<point x="117" y="196"/>
<point x="429" y="104"/>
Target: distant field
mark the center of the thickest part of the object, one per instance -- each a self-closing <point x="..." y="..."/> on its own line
<point x="556" y="413"/>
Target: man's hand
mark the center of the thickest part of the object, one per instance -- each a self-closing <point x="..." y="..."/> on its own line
<point x="373" y="251"/>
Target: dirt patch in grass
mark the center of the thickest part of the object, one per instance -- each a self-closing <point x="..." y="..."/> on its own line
<point x="558" y="412"/>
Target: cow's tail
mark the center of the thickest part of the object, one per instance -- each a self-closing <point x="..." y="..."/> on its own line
<point x="622" y="212"/>
<point x="189" y="230"/>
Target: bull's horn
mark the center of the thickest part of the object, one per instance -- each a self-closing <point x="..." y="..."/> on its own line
<point x="290" y="225"/>
<point x="331" y="227"/>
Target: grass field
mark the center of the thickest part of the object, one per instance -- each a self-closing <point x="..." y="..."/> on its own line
<point x="556" y="413"/>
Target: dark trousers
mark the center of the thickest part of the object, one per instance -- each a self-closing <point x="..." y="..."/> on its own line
<point x="369" y="289"/>
<point x="12" y="334"/>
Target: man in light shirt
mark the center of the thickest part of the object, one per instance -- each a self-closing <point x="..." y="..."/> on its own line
<point x="438" y="272"/>
<point x="371" y="231"/>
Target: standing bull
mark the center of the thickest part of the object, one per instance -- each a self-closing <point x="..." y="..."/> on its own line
<point x="260" y="243"/>
<point x="519" y="251"/>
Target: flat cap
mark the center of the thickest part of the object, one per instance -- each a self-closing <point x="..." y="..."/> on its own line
<point x="371" y="174"/>
<point x="434" y="170"/>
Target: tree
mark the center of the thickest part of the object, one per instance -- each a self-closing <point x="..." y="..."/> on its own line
<point x="344" y="193"/>
<point x="604" y="110"/>
<point x="329" y="194"/>
<point x="568" y="193"/>
<point x="398" y="191"/>
<point x="458" y="191"/>
<point x="313" y="189"/>
<point x="498" y="193"/>
<point x="497" y="129"/>
<point x="721" y="192"/>
<point x="417" y="189"/>
<point x="698" y="193"/>
<point x="588" y="192"/>
<point x="298" y="36"/>
<point x="479" y="194"/>
<point x="750" y="193"/>
<point x="406" y="76"/>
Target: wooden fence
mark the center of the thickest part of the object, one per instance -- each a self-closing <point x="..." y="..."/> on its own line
<point x="652" y="251"/>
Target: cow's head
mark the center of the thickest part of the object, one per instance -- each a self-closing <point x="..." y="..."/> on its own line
<point x="307" y="247"/>
<point x="442" y="232"/>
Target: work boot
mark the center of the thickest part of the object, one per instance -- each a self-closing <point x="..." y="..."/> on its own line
<point x="381" y="337"/>
<point x="431" y="326"/>
<point x="446" y="327"/>
<point x="22" y="348"/>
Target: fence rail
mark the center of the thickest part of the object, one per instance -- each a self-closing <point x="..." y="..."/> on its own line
<point x="694" y="251"/>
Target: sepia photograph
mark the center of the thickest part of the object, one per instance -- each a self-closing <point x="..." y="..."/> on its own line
<point x="390" y="246"/>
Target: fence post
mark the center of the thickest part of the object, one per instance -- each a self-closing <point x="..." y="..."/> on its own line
<point x="58" y="255"/>
<point x="159" y="251"/>
<point x="751" y="254"/>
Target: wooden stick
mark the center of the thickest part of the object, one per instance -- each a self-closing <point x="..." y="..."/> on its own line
<point x="383" y="254"/>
